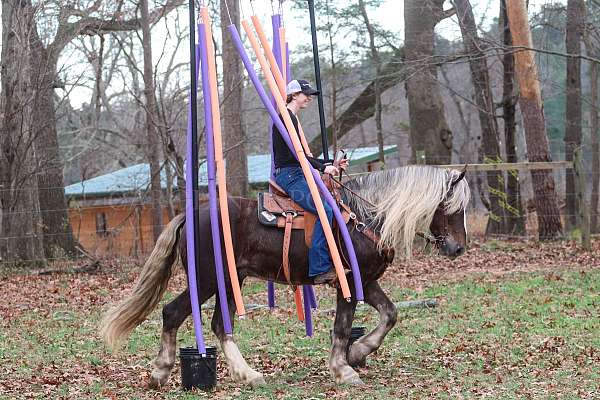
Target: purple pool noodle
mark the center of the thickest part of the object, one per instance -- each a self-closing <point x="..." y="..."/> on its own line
<point x="212" y="186"/>
<point x="308" y="323"/>
<point x="312" y="297"/>
<point x="276" y="22"/>
<point x="189" y="230"/>
<point x="323" y="189"/>
<point x="271" y="294"/>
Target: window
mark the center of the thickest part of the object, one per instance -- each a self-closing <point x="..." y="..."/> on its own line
<point x="101" y="224"/>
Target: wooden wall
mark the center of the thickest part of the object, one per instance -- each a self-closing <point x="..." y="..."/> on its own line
<point x="128" y="229"/>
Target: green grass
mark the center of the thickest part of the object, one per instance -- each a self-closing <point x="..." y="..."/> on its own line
<point x="526" y="335"/>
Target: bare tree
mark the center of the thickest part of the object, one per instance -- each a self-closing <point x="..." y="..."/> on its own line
<point x="516" y="220"/>
<point x="575" y="24"/>
<point x="430" y="137"/>
<point x="71" y="21"/>
<point x="152" y="139"/>
<point x="592" y="45"/>
<point x="20" y="238"/>
<point x="235" y="137"/>
<point x="530" y="101"/>
<point x="377" y="86"/>
<point x="475" y="49"/>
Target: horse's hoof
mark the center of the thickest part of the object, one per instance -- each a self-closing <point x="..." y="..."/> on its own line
<point x="348" y="376"/>
<point x="355" y="357"/>
<point x="158" y="379"/>
<point x="353" y="381"/>
<point x="257" y="381"/>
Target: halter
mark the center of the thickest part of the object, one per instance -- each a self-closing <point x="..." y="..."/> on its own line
<point x="439" y="240"/>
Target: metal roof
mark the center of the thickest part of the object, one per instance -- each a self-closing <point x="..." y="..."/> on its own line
<point x="135" y="178"/>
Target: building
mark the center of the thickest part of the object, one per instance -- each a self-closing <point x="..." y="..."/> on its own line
<point x="110" y="214"/>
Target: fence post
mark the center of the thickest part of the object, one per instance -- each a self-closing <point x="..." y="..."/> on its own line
<point x="583" y="211"/>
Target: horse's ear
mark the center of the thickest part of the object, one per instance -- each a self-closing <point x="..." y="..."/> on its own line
<point x="459" y="178"/>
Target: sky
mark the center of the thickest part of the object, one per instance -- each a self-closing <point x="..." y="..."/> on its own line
<point x="390" y="15"/>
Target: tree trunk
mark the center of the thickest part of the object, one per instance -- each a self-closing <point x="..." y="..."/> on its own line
<point x="152" y="151"/>
<point x="334" y="92"/>
<point x="593" y="51"/>
<point x="56" y="228"/>
<point x="530" y="100"/>
<point x="20" y="239"/>
<point x="516" y="215"/>
<point x="575" y="21"/>
<point x="363" y="107"/>
<point x="377" y="85"/>
<point x="430" y="137"/>
<point x="233" y="131"/>
<point x="489" y="127"/>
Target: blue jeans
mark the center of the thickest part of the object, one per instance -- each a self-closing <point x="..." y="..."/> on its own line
<point x="292" y="180"/>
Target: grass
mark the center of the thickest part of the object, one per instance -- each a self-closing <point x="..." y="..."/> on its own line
<point x="520" y="335"/>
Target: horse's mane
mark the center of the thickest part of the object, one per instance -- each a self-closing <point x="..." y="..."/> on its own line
<point x="405" y="200"/>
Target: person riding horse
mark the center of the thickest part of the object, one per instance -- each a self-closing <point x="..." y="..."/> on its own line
<point x="288" y="175"/>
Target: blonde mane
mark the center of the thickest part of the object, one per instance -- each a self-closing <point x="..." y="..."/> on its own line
<point x="405" y="200"/>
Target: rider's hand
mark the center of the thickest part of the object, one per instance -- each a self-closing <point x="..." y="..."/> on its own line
<point x="342" y="163"/>
<point x="330" y="169"/>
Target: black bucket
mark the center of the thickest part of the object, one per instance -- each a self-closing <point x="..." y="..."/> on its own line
<point x="197" y="371"/>
<point x="356" y="333"/>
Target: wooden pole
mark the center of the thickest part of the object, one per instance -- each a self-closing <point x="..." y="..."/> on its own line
<point x="583" y="211"/>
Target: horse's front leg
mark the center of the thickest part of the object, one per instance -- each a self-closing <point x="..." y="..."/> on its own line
<point x="338" y="365"/>
<point x="388" y="316"/>
<point x="239" y="370"/>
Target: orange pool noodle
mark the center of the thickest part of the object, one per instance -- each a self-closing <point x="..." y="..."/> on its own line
<point x="220" y="164"/>
<point x="314" y="191"/>
<point x="299" y="305"/>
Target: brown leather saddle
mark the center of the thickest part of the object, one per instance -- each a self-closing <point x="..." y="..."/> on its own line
<point x="277" y="209"/>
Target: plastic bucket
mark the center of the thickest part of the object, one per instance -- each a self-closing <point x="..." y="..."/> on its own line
<point x="197" y="371"/>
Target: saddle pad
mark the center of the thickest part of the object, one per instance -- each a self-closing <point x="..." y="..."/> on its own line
<point x="271" y="209"/>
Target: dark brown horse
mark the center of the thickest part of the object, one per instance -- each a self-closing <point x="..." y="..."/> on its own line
<point x="397" y="204"/>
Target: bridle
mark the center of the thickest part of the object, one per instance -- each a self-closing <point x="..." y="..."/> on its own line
<point x="436" y="240"/>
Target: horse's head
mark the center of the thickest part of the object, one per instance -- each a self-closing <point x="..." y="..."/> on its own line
<point x="449" y="225"/>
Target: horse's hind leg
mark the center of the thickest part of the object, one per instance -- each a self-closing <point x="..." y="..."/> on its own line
<point x="238" y="368"/>
<point x="173" y="315"/>
<point x="388" y="315"/>
<point x="338" y="365"/>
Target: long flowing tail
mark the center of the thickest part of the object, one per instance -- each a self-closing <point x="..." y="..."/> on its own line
<point x="149" y="289"/>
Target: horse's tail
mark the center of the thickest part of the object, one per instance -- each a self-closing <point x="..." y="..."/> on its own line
<point x="149" y="288"/>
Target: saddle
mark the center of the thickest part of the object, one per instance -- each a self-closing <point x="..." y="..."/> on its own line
<point x="277" y="209"/>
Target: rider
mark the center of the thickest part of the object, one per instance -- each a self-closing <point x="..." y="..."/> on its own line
<point x="288" y="175"/>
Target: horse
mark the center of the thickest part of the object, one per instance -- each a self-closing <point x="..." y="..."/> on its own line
<point x="397" y="204"/>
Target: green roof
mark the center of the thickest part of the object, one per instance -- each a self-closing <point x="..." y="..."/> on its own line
<point x="135" y="178"/>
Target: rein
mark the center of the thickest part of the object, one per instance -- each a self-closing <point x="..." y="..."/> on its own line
<point x="437" y="241"/>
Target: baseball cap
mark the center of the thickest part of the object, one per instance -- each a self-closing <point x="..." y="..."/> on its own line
<point x="300" y="85"/>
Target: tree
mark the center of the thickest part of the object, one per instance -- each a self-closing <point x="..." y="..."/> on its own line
<point x="530" y="102"/>
<point x="475" y="49"/>
<point x="430" y="137"/>
<point x="20" y="238"/>
<point x="45" y="53"/>
<point x="516" y="220"/>
<point x="377" y="86"/>
<point x="233" y="78"/>
<point x="575" y="24"/>
<point x="152" y="139"/>
<point x="592" y="46"/>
